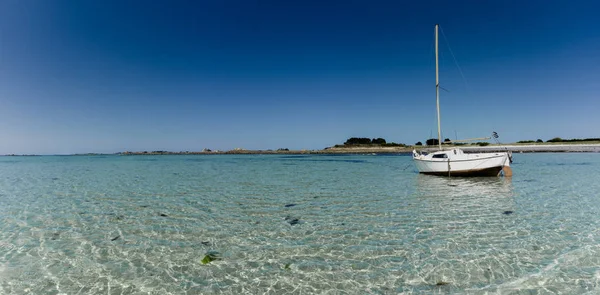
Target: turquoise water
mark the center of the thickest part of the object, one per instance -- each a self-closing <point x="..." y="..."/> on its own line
<point x="296" y="224"/>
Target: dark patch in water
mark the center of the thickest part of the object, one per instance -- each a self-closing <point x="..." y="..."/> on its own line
<point x="290" y="205"/>
<point x="115" y="238"/>
<point x="507" y="212"/>
<point x="55" y="236"/>
<point x="205" y="243"/>
<point x="292" y="220"/>
<point x="144" y="206"/>
<point x="54" y="178"/>
<point x="163" y="215"/>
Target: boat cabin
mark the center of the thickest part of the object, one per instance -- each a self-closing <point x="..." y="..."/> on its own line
<point x="446" y="154"/>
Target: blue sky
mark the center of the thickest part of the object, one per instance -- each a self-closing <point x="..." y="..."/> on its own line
<point x="109" y="76"/>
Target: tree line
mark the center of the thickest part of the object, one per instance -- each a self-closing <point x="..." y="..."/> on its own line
<point x="353" y="141"/>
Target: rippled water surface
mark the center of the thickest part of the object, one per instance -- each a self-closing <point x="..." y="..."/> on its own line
<point x="301" y="224"/>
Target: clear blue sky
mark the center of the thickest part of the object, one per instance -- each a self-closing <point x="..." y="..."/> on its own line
<point x="109" y="76"/>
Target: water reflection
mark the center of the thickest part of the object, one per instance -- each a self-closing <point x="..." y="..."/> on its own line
<point x="457" y="187"/>
<point x="469" y="196"/>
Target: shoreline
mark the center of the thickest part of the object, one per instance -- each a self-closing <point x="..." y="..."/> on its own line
<point x="515" y="148"/>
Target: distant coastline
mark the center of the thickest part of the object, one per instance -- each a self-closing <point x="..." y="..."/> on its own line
<point x="370" y="149"/>
<point x="365" y="149"/>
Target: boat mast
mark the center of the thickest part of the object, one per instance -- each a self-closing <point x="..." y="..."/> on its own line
<point x="437" y="87"/>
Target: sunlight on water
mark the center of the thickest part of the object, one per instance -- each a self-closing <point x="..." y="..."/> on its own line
<point x="296" y="225"/>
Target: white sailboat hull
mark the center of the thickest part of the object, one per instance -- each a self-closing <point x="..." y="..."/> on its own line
<point x="456" y="163"/>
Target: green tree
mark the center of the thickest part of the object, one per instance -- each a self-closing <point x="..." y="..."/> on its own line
<point x="357" y="140"/>
<point x="378" y="141"/>
<point x="419" y="143"/>
<point x="432" y="141"/>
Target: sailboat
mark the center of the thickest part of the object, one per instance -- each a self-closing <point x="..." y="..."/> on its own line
<point x="454" y="162"/>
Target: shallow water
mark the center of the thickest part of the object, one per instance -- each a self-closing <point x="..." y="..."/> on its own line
<point x="301" y="224"/>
